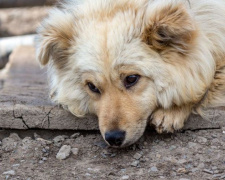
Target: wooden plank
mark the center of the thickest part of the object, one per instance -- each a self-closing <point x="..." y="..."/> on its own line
<point x="24" y="102"/>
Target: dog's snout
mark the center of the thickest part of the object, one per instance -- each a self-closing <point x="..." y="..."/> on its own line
<point x="115" y="138"/>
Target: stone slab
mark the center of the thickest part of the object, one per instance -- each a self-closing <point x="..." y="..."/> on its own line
<point x="24" y="101"/>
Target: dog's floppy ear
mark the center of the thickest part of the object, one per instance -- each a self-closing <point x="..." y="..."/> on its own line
<point x="54" y="37"/>
<point x="169" y="25"/>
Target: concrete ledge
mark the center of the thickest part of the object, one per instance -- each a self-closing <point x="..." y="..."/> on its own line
<point x="24" y="102"/>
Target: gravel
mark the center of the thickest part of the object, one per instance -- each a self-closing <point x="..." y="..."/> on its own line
<point x="8" y="144"/>
<point x="137" y="156"/>
<point x="64" y="152"/>
<point x="75" y="151"/>
<point x="75" y="135"/>
<point x="154" y="169"/>
<point x="58" y="140"/>
<point x="151" y="158"/>
<point x="201" y="140"/>
<point x="207" y="171"/>
<point x="135" y="163"/>
<point x="10" y="172"/>
<point x="125" y="177"/>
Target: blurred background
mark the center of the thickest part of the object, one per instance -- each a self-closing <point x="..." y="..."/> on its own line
<point x="19" y="20"/>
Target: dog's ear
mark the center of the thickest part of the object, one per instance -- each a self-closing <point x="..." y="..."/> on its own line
<point x="169" y="26"/>
<point x="54" y="38"/>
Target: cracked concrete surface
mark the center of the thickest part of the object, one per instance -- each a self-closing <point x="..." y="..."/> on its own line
<point x="24" y="102"/>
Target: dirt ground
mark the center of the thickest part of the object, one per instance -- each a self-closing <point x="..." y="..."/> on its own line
<point x="186" y="155"/>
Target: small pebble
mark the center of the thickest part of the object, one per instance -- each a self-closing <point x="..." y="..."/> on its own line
<point x="125" y="177"/>
<point x="207" y="171"/>
<point x="113" y="155"/>
<point x="64" y="152"/>
<point x="58" y="140"/>
<point x="192" y="145"/>
<point x="172" y="148"/>
<point x="44" y="141"/>
<point x="173" y="174"/>
<point x="75" y="135"/>
<point x="184" y="179"/>
<point x="15" y="165"/>
<point x="181" y="170"/>
<point x="41" y="162"/>
<point x="9" y="144"/>
<point x="194" y="170"/>
<point x="15" y="136"/>
<point x="216" y="171"/>
<point x="135" y="163"/>
<point x="105" y="153"/>
<point x="154" y="169"/>
<point x="75" y="151"/>
<point x="11" y="172"/>
<point x="44" y="158"/>
<point x="65" y="136"/>
<point x="201" y="140"/>
<point x="216" y="175"/>
<point x="188" y="166"/>
<point x="182" y="161"/>
<point x="101" y="144"/>
<point x="137" y="156"/>
<point x="44" y="150"/>
<point x="201" y="165"/>
<point x="87" y="174"/>
<point x="222" y="177"/>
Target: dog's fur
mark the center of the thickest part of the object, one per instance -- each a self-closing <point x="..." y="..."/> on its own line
<point x="176" y="46"/>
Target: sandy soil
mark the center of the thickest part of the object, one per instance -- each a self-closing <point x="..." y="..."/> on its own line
<point x="180" y="156"/>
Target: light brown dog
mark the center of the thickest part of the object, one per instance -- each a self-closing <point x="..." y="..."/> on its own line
<point x="126" y="60"/>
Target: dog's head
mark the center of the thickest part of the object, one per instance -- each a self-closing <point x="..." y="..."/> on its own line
<point x="121" y="60"/>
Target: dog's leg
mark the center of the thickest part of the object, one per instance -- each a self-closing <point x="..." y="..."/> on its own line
<point x="168" y="120"/>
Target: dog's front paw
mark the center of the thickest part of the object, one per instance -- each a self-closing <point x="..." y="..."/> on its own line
<point x="169" y="120"/>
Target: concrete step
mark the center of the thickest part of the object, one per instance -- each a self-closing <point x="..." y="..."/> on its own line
<point x="24" y="101"/>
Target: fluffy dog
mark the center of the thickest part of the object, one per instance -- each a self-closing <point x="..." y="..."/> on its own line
<point x="128" y="60"/>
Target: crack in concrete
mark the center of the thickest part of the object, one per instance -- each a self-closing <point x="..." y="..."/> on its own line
<point x="47" y="115"/>
<point x="202" y="129"/>
<point x="20" y="117"/>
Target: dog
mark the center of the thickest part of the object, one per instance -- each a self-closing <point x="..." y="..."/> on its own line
<point x="135" y="62"/>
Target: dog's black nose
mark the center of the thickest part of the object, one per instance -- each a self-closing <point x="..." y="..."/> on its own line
<point x="115" y="138"/>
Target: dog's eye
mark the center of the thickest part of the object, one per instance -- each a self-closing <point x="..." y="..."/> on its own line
<point x="93" y="88"/>
<point x="131" y="80"/>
